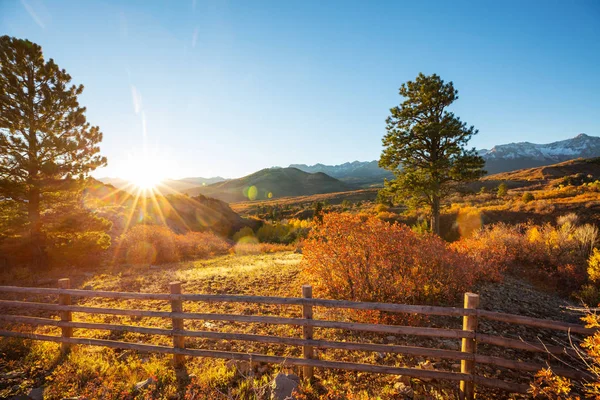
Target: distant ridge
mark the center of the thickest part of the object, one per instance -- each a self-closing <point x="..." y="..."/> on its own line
<point x="168" y="186"/>
<point x="361" y="173"/>
<point x="271" y="183"/>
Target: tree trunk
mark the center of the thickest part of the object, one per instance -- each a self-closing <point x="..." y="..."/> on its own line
<point x="38" y="251"/>
<point x="435" y="215"/>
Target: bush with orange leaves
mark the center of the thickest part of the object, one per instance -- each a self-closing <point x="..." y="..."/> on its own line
<point x="147" y="244"/>
<point x="363" y="258"/>
<point x="493" y="248"/>
<point x="547" y="385"/>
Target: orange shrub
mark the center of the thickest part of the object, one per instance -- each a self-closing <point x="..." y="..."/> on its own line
<point x="366" y="259"/>
<point x="147" y="244"/>
<point x="493" y="248"/>
<point x="201" y="244"/>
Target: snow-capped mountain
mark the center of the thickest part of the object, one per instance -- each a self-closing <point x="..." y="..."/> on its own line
<point x="513" y="156"/>
<point x="500" y="158"/>
<point x="362" y="173"/>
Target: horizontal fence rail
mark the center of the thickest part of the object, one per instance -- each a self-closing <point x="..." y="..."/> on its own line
<point x="467" y="356"/>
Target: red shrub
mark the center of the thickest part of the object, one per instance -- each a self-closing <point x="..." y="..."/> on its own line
<point x="357" y="258"/>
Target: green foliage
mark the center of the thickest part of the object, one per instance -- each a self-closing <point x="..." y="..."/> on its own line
<point x="425" y="145"/>
<point x="502" y="190"/>
<point x="45" y="140"/>
<point x="242" y="233"/>
<point x="527" y="197"/>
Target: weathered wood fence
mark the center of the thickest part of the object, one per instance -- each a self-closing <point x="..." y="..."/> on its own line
<point x="468" y="335"/>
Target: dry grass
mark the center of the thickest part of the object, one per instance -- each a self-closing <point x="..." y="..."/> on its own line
<point x="111" y="374"/>
<point x="106" y="373"/>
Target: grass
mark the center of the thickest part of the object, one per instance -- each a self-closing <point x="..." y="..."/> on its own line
<point x="106" y="373"/>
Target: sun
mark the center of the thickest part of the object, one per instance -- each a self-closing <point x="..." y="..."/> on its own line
<point x="145" y="179"/>
<point x="144" y="171"/>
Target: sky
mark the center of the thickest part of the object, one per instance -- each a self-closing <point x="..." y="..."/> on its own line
<point x="207" y="88"/>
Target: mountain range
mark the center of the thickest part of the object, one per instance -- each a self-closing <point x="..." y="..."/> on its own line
<point x="302" y="179"/>
<point x="356" y="173"/>
<point x="514" y="156"/>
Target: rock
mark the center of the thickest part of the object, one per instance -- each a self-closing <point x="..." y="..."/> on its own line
<point x="404" y="390"/>
<point x="456" y="366"/>
<point x="144" y="384"/>
<point x="36" y="393"/>
<point x="405" y="379"/>
<point x="390" y="338"/>
<point x="283" y="386"/>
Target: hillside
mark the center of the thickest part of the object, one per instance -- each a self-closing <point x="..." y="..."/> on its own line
<point x="271" y="183"/>
<point x="568" y="172"/>
<point x="181" y="213"/>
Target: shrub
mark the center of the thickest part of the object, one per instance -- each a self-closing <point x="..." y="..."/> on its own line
<point x="244" y="232"/>
<point x="527" y="197"/>
<point x="594" y="266"/>
<point x="146" y="244"/>
<point x="494" y="248"/>
<point x="200" y="245"/>
<point x="366" y="259"/>
<point x="547" y="385"/>
<point x="502" y="190"/>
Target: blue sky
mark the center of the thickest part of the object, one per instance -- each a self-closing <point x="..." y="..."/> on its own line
<point x="230" y="87"/>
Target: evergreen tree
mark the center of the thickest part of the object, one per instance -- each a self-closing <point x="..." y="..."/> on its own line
<point x="425" y="145"/>
<point x="45" y="139"/>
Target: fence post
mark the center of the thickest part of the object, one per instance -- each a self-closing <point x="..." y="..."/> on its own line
<point x="467" y="388"/>
<point x="178" y="340"/>
<point x="307" y="313"/>
<point x="65" y="316"/>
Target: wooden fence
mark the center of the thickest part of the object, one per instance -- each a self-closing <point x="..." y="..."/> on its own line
<point x="468" y="335"/>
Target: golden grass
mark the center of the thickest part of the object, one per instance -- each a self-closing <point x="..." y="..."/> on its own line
<point x="107" y="373"/>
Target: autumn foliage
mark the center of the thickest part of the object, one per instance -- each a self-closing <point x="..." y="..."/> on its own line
<point x="365" y="259"/>
<point x="145" y="244"/>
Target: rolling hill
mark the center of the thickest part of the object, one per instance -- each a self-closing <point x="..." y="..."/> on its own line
<point x="271" y="183"/>
<point x="181" y="213"/>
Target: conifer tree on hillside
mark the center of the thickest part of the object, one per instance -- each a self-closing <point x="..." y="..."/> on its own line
<point x="425" y="145"/>
<point x="46" y="143"/>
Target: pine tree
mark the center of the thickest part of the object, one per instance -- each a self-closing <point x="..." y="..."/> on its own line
<point x="425" y="145"/>
<point x="45" y="139"/>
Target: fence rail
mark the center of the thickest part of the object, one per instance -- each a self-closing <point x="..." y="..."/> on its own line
<point x="468" y="335"/>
